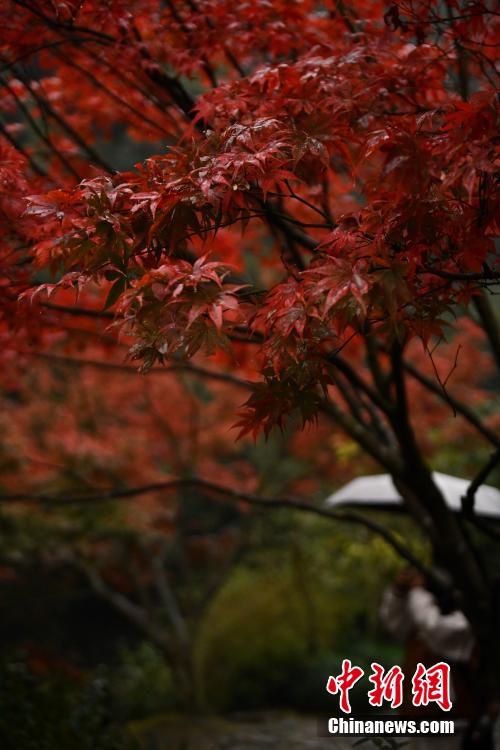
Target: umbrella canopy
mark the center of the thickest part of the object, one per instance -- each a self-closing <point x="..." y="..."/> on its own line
<point x="378" y="492"/>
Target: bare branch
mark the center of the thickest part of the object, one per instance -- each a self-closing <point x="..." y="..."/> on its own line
<point x="168" y="599"/>
<point x="288" y="503"/>
<point x="113" y="95"/>
<point x="458" y="406"/>
<point x="45" y="106"/>
<point x="33" y="164"/>
<point x="79" y="311"/>
<point x="133" y="612"/>
<point x="35" y="127"/>
<point x="204" y="372"/>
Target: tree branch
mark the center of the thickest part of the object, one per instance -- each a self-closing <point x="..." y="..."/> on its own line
<point x="168" y="600"/>
<point x="133" y="612"/>
<point x="358" y="383"/>
<point x="112" y="95"/>
<point x="33" y="164"/>
<point x="457" y="406"/>
<point x="468" y="498"/>
<point x="35" y="127"/>
<point x="45" y="106"/>
<point x="490" y="324"/>
<point x="288" y="503"/>
<point x="79" y="311"/>
<point x="421" y="492"/>
<point x="130" y="369"/>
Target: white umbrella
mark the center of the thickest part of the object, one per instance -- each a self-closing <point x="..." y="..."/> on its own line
<point x="378" y="492"/>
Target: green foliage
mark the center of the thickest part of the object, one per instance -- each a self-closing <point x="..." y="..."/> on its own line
<point x="141" y="685"/>
<point x="41" y="713"/>
<point x="251" y="642"/>
<point x="286" y="619"/>
<point x="287" y="615"/>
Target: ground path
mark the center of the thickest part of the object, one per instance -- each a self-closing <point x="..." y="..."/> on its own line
<point x="259" y="731"/>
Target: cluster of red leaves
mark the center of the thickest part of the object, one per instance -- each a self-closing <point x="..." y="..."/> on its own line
<point x="19" y="325"/>
<point x="337" y="132"/>
<point x="180" y="307"/>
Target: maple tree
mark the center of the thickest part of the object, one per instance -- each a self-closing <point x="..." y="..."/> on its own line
<point x="317" y="216"/>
